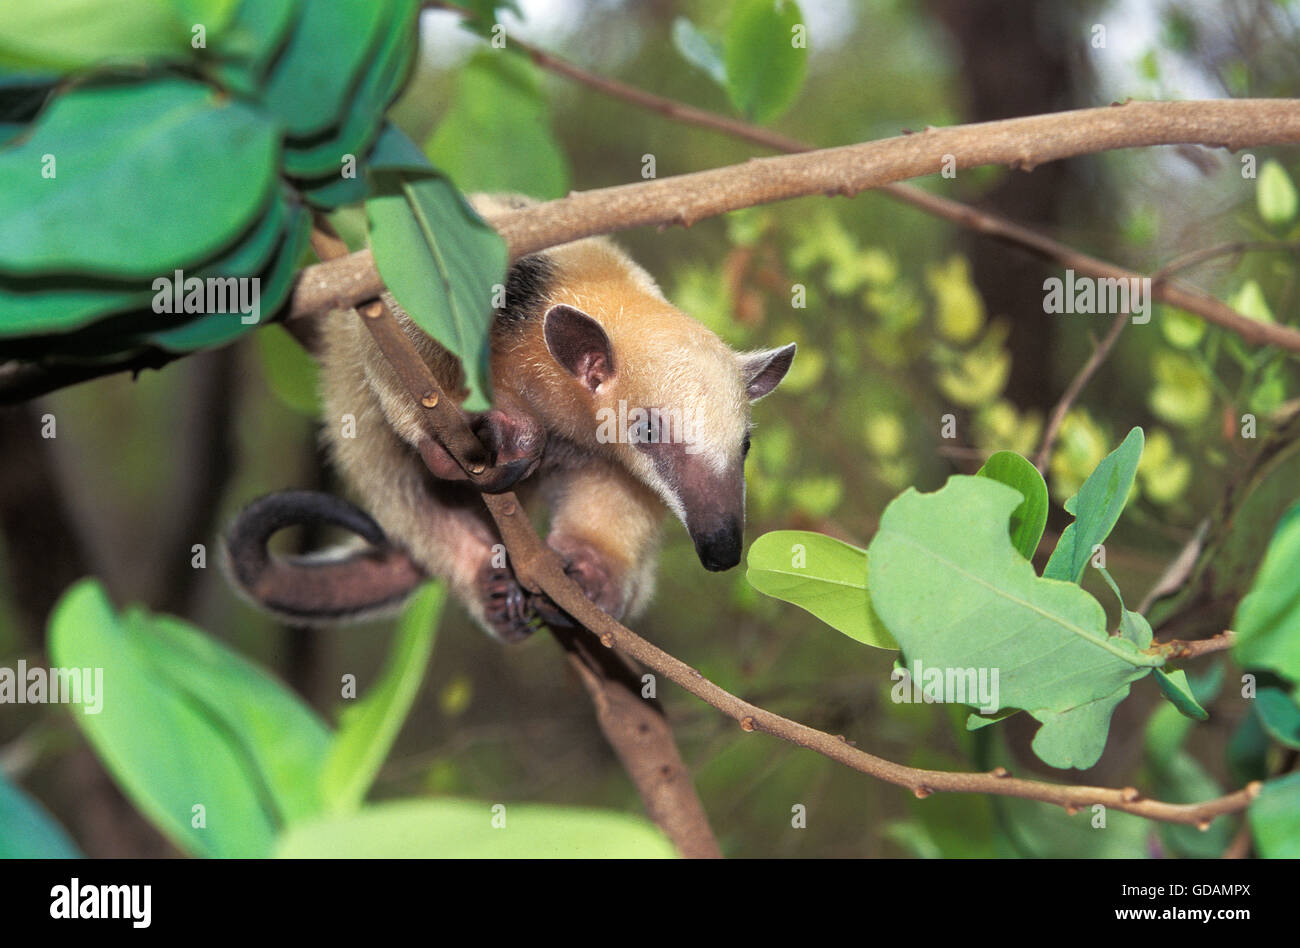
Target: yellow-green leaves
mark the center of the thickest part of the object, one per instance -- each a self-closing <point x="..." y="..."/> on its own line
<point x="214" y="751"/>
<point x="822" y="575"/>
<point x="473" y="829"/>
<point x="1275" y="195"/>
<point x="370" y="726"/>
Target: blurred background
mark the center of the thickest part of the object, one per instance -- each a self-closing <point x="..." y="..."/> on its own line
<point x="907" y="318"/>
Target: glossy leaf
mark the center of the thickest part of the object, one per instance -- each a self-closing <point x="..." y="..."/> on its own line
<point x="1096" y="509"/>
<point x="764" y="68"/>
<point x="315" y="76"/>
<point x="1267" y="622"/>
<point x="821" y="575"/>
<point x="1028" y="520"/>
<point x="187" y="723"/>
<point x="1174" y="686"/>
<point x="441" y="262"/>
<point x="463" y="829"/>
<point x="1279" y="716"/>
<point x="1275" y="818"/>
<point x="369" y="727"/>
<point x="116" y="207"/>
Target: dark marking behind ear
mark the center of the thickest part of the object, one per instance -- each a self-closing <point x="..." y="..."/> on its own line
<point x="763" y="371"/>
<point x="580" y="345"/>
<point x="526" y="285"/>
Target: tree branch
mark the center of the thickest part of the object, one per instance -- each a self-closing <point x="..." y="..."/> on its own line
<point x="538" y="569"/>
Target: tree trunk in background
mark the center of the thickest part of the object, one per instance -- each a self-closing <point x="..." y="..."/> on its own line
<point x="1020" y="57"/>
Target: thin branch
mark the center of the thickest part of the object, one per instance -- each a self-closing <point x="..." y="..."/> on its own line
<point x="538" y="569"/>
<point x="982" y="222"/>
<point x="1178" y="649"/>
<point x="1075" y="389"/>
<point x="1234" y="248"/>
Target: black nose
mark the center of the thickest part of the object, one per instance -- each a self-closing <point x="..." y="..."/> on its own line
<point x="719" y="549"/>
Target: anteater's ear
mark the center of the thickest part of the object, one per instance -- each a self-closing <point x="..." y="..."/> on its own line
<point x="764" y="370"/>
<point x="579" y="343"/>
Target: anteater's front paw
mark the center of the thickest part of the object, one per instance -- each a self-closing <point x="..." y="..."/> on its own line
<point x="590" y="569"/>
<point x="506" y="607"/>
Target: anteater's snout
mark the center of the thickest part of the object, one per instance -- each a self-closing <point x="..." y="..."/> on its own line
<point x="720" y="549"/>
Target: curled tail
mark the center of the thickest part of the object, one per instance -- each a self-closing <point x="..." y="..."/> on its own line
<point x="348" y="582"/>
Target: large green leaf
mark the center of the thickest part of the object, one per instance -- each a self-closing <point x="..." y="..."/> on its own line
<point x="42" y="305"/>
<point x="1096" y="509"/>
<point x="1268" y="617"/>
<point x="1030" y="517"/>
<point x="150" y="176"/>
<point x="955" y="593"/>
<point x="1275" y="818"/>
<point x="441" y="262"/>
<point x="463" y="829"/>
<point x="391" y="150"/>
<point x="1279" y="716"/>
<point x="315" y="77"/>
<point x="187" y="723"/>
<point x="497" y="134"/>
<point x="764" y="68"/>
<point x="370" y="727"/>
<point x="27" y="831"/>
<point x="249" y="44"/>
<point x="380" y="84"/>
<point x="821" y="575"/>
<point x="55" y="36"/>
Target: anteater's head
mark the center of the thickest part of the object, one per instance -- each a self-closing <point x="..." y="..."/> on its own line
<point x="669" y="401"/>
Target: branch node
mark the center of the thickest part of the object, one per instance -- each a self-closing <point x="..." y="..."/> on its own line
<point x="430" y="400"/>
<point x="999" y="772"/>
<point x="922" y="791"/>
<point x="1130" y="795"/>
<point x="747" y="723"/>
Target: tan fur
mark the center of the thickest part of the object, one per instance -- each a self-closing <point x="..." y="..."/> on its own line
<point x="603" y="496"/>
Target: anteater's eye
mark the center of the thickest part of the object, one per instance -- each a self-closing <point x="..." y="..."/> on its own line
<point x="744" y="448"/>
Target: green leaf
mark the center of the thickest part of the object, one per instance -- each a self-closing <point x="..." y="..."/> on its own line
<point x="1028" y="520"/>
<point x="1096" y="509"/>
<point x="1248" y="750"/>
<point x="248" y="45"/>
<point x="956" y="594"/>
<point x="463" y="829"/>
<point x="820" y="575"/>
<point x="702" y="51"/>
<point x="150" y="176"/>
<point x="291" y="373"/>
<point x="1174" y="686"/>
<point x="1275" y="818"/>
<point x="392" y="150"/>
<point x="497" y="134"/>
<point x="441" y="262"/>
<point x="187" y="723"/>
<point x="379" y="86"/>
<point x="1267" y="622"/>
<point x="314" y="78"/>
<point x="58" y="36"/>
<point x="27" y="831"/>
<point x="370" y="727"/>
<point x="1276" y="195"/>
<point x="1076" y="737"/>
<point x="764" y="68"/>
<point x="1279" y="716"/>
